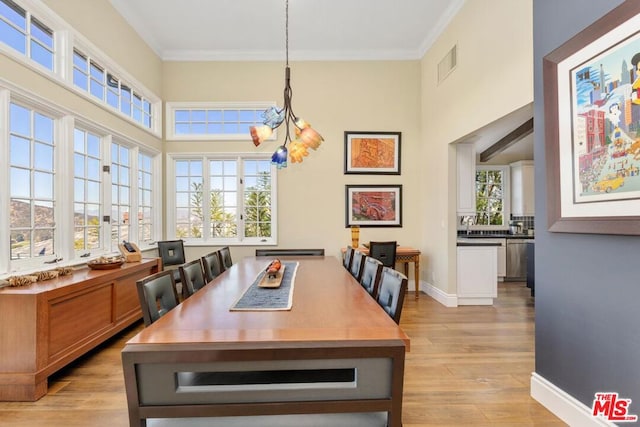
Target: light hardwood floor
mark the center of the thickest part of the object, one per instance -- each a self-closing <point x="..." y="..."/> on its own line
<point x="467" y="366"/>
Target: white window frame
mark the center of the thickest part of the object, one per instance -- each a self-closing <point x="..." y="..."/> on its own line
<point x="64" y="124"/>
<point x="206" y="240"/>
<point x="65" y="39"/>
<point x="506" y="199"/>
<point x="172" y="107"/>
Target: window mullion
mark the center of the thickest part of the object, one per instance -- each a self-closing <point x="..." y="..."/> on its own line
<point x="206" y="200"/>
<point x="240" y="185"/>
<point x="64" y="212"/>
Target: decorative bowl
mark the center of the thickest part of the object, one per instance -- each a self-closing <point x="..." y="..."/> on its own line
<point x="106" y="263"/>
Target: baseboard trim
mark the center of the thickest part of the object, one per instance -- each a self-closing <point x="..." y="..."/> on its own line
<point x="448" y="300"/>
<point x="563" y="405"/>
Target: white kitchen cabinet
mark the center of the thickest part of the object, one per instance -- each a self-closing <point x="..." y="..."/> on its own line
<point x="466" y="174"/>
<point x="502" y="258"/>
<point x="522" y="188"/>
<point x="477" y="275"/>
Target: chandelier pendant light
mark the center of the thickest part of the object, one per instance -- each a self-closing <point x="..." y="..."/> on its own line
<point x="305" y="136"/>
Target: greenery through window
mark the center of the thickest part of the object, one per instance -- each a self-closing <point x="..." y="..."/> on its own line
<point x="491" y="190"/>
<point x="224" y="199"/>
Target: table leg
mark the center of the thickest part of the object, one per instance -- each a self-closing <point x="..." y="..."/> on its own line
<point x="416" y="264"/>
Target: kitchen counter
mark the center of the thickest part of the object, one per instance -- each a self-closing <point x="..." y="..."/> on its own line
<point x="495" y="236"/>
<point x="476" y="242"/>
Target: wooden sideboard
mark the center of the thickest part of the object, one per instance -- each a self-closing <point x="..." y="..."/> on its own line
<point x="46" y="325"/>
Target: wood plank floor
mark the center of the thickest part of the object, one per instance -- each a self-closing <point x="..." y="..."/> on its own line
<point x="467" y="366"/>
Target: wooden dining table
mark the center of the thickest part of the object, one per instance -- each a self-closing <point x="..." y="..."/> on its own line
<point x="334" y="358"/>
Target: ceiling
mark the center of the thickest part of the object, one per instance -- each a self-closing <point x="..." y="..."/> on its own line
<point x="318" y="29"/>
<point x="254" y="30"/>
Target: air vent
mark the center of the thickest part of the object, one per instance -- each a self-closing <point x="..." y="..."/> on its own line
<point x="448" y="64"/>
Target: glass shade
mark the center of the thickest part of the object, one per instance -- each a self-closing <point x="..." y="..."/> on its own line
<point x="260" y="133"/>
<point x="310" y="138"/>
<point x="279" y="158"/>
<point x="297" y="150"/>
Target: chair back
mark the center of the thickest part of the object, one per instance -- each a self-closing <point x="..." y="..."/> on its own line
<point x="289" y="252"/>
<point x="157" y="295"/>
<point x="192" y="277"/>
<point x="348" y="257"/>
<point x="370" y="277"/>
<point x="171" y="252"/>
<point x="384" y="252"/>
<point x="212" y="265"/>
<point x="391" y="291"/>
<point x="225" y="257"/>
<point x="357" y="264"/>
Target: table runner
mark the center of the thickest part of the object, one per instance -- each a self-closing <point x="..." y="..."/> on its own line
<point x="255" y="298"/>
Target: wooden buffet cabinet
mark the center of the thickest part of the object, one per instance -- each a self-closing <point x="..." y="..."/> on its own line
<point x="46" y="325"/>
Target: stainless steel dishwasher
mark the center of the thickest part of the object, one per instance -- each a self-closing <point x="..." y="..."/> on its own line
<point x="516" y="260"/>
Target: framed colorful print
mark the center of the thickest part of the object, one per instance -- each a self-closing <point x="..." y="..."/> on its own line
<point x="592" y="127"/>
<point x="372" y="153"/>
<point x="373" y="205"/>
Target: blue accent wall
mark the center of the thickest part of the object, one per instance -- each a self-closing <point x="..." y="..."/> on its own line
<point x="587" y="286"/>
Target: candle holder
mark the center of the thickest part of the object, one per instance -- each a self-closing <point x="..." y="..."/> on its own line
<point x="355" y="236"/>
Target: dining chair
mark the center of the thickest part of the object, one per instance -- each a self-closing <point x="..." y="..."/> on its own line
<point x="370" y="277"/>
<point x="384" y="252"/>
<point x="357" y="264"/>
<point x="157" y="295"/>
<point x="192" y="277"/>
<point x="225" y="257"/>
<point x="348" y="257"/>
<point x="212" y="265"/>
<point x="172" y="254"/>
<point x="289" y="252"/>
<point x="391" y="292"/>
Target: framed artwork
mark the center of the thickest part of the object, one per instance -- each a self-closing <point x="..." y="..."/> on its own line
<point x="372" y="153"/>
<point x="373" y="205"/>
<point x="592" y="127"/>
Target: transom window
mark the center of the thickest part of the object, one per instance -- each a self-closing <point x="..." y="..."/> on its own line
<point x="213" y="120"/>
<point x="223" y="199"/>
<point x="492" y="196"/>
<point x="26" y="34"/>
<point x="95" y="79"/>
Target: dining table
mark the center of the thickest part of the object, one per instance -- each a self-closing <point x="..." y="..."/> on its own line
<point x="331" y="356"/>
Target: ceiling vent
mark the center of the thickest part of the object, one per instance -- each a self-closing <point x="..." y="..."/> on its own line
<point x="448" y="63"/>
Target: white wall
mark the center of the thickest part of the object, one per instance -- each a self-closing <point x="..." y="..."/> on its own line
<point x="494" y="76"/>
<point x="334" y="97"/>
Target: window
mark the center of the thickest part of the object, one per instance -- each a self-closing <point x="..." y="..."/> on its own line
<point x="145" y="198"/>
<point x="92" y="77"/>
<point x="120" y="194"/>
<point x="218" y="121"/>
<point x="31" y="181"/>
<point x="87" y="191"/>
<point x="26" y="34"/>
<point x="228" y="199"/>
<point x="492" y="196"/>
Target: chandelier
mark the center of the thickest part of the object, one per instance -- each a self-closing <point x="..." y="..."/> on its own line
<point x="305" y="136"/>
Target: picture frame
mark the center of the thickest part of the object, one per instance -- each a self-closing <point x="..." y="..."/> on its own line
<point x="373" y="153"/>
<point x="592" y="127"/>
<point x="373" y="205"/>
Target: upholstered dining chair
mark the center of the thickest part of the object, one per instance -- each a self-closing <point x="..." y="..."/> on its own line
<point x="370" y="277"/>
<point x="391" y="291"/>
<point x="172" y="254"/>
<point x="192" y="277"/>
<point x="225" y="257"/>
<point x="348" y="257"/>
<point x="212" y="265"/>
<point x="157" y="295"/>
<point x="357" y="264"/>
<point x="384" y="252"/>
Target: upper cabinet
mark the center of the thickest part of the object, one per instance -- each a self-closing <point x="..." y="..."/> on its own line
<point x="466" y="161"/>
<point x="522" y="188"/>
